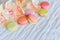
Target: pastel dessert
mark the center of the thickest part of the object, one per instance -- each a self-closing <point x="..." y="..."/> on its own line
<point x="32" y="19"/>
<point x="3" y="21"/>
<point x="19" y="7"/>
<point x="12" y="10"/>
<point x="43" y="12"/>
<point x="45" y="5"/>
<point x="9" y="5"/>
<point x="29" y="11"/>
<point x="34" y="8"/>
<point x="22" y="20"/>
<point x="11" y="26"/>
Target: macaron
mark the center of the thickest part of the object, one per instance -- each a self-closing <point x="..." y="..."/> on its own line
<point x="2" y="19"/>
<point x="10" y="12"/>
<point x="32" y="19"/>
<point x="22" y="20"/>
<point x="21" y="1"/>
<point x="10" y="5"/>
<point x="34" y="8"/>
<point x="29" y="11"/>
<point x="45" y="5"/>
<point x="12" y="26"/>
<point x="43" y="12"/>
<point x="19" y="9"/>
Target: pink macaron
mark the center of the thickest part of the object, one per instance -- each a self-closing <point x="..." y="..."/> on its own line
<point x="29" y="11"/>
<point x="45" y="5"/>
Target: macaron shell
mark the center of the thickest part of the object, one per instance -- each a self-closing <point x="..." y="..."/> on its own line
<point x="22" y="20"/>
<point x="9" y="5"/>
<point x="45" y="5"/>
<point x="11" y="26"/>
<point x="3" y="21"/>
<point x="32" y="19"/>
<point x="43" y="12"/>
<point x="19" y="9"/>
<point x="29" y="11"/>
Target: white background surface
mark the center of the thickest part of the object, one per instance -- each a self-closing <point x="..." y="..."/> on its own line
<point x="48" y="28"/>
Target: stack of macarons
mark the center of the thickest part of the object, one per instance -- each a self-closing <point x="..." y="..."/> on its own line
<point x="14" y="14"/>
<point x="29" y="17"/>
<point x="44" y="7"/>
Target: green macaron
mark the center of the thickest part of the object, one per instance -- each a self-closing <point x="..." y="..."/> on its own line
<point x="11" y="26"/>
<point x="43" y="12"/>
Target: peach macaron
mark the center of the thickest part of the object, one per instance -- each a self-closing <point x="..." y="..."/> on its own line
<point x="22" y="20"/>
<point x="32" y="19"/>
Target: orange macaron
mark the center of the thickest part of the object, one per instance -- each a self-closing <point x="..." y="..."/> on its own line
<point x="22" y="20"/>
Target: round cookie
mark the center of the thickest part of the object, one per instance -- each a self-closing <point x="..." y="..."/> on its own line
<point x="11" y="26"/>
<point x="43" y="12"/>
<point x="45" y="5"/>
<point x="22" y="20"/>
